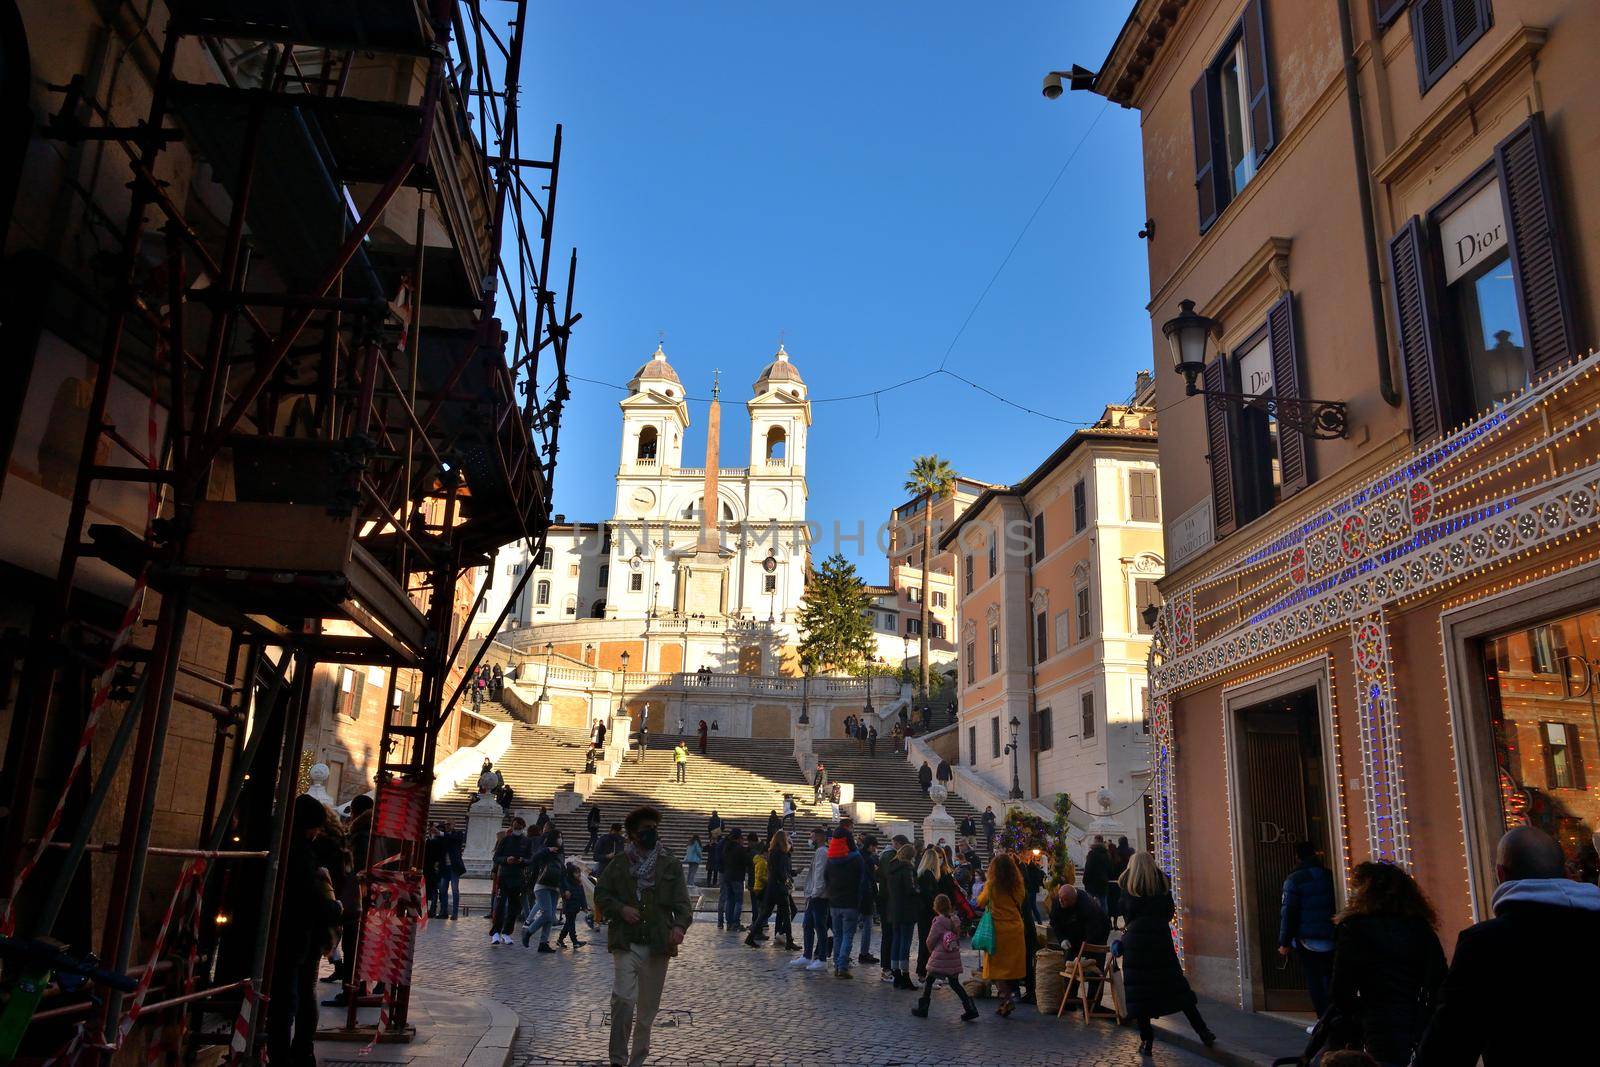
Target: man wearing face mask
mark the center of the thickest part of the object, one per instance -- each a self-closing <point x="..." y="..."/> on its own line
<point x="643" y="895"/>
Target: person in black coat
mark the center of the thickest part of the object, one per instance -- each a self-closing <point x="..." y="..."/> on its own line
<point x="1305" y="922"/>
<point x="735" y="869"/>
<point x="593" y="819"/>
<point x="1152" y="976"/>
<point x="775" y="900"/>
<point x="1541" y="947"/>
<point x="925" y="776"/>
<point x="1387" y="965"/>
<point x="308" y="908"/>
<point x="933" y="878"/>
<point x="1097" y="871"/>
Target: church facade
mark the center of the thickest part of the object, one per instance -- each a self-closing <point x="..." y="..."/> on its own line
<point x="674" y="583"/>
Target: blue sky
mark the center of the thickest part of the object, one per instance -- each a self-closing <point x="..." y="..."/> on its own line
<point x="852" y="175"/>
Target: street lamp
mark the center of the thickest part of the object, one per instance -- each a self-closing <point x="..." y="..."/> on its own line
<point x="1016" y="782"/>
<point x="805" y="692"/>
<point x="544" y="691"/>
<point x="1189" y="334"/>
<point x="623" y="697"/>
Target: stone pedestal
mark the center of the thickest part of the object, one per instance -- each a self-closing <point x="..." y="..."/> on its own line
<point x="319" y="785"/>
<point x="938" y="824"/>
<point x="543" y="713"/>
<point x="891" y="827"/>
<point x="585" y="784"/>
<point x="483" y="822"/>
<point x="861" y="812"/>
<point x="567" y="801"/>
<point x="847" y="792"/>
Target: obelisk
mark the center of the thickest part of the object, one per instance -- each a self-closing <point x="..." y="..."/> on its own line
<point x="710" y="541"/>
<point x="703" y="572"/>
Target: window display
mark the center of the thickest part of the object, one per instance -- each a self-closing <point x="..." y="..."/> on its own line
<point x="1546" y="719"/>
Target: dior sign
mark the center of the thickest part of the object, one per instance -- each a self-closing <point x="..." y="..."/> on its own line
<point x="1473" y="233"/>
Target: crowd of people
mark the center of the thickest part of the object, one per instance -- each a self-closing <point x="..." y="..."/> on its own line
<point x="488" y="683"/>
<point x="1376" y="972"/>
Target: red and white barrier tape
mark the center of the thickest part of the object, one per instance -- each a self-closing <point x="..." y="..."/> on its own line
<point x="191" y="874"/>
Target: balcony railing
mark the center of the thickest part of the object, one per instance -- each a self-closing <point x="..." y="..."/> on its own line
<point x="884" y="689"/>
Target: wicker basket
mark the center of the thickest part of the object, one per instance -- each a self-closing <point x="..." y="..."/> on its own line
<point x="977" y="989"/>
<point x="1047" y="983"/>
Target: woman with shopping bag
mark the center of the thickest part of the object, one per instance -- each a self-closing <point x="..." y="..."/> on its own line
<point x="1005" y="963"/>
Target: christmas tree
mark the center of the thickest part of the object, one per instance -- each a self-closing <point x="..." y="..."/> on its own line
<point x="834" y="618"/>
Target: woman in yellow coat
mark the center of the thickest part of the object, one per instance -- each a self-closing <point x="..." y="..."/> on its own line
<point x="1008" y="963"/>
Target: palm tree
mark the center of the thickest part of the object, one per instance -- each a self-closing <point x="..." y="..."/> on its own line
<point x="933" y="479"/>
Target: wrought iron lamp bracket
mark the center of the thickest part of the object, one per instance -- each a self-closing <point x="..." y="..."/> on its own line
<point x="1324" y="420"/>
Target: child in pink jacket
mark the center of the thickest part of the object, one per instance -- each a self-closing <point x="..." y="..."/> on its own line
<point x="944" y="959"/>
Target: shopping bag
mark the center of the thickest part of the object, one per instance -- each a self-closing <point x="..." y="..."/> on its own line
<point x="983" y="936"/>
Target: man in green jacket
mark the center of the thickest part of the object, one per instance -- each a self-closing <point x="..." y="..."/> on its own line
<point x="645" y="901"/>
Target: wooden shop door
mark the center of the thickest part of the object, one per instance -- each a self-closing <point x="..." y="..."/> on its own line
<point x="1282" y="791"/>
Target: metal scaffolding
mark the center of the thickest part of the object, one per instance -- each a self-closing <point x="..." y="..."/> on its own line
<point x="361" y="379"/>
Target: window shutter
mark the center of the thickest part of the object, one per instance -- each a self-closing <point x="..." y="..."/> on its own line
<point x="1411" y="283"/>
<point x="1224" y="515"/>
<point x="1428" y="30"/>
<point x="1258" y="79"/>
<point x="1386" y="11"/>
<point x="1527" y="188"/>
<point x="1205" y="178"/>
<point x="1443" y="31"/>
<point x="1294" y="449"/>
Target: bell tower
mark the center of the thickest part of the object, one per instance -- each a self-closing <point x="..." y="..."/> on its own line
<point x="654" y="417"/>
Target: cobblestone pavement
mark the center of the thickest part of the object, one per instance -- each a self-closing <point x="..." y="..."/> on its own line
<point x="750" y="1007"/>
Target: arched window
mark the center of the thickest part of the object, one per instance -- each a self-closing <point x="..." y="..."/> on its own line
<point x="777" y="444"/>
<point x="647" y="443"/>
<point x="598" y="611"/>
<point x="572" y="605"/>
<point x="542" y="594"/>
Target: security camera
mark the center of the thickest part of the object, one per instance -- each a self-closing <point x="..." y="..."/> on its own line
<point x="1077" y="78"/>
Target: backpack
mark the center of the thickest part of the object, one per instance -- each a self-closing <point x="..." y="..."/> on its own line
<point x="761" y="872"/>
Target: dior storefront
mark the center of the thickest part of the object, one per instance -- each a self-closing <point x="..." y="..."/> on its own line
<point x="1401" y="675"/>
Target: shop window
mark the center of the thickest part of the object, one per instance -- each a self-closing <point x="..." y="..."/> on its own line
<point x="1047" y="730"/>
<point x="1482" y="293"/>
<point x="1231" y="114"/>
<point x="1442" y="32"/>
<point x="1255" y="462"/>
<point x="1087" y="709"/>
<point x="1080" y="506"/>
<point x="1144" y="503"/>
<point x="1543" y="731"/>
<point x="1563" y="757"/>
